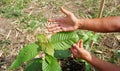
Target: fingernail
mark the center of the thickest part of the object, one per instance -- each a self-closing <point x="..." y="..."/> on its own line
<point x="74" y="45"/>
<point x="49" y="20"/>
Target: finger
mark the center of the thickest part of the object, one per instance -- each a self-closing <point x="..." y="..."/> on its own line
<point x="57" y="30"/>
<point x="76" y="46"/>
<point x="80" y="43"/>
<point x="52" y="26"/>
<point x="54" y="20"/>
<point x="67" y="28"/>
<point x="66" y="12"/>
<point x="73" y="50"/>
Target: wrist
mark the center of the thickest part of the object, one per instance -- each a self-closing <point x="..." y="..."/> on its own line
<point x="88" y="57"/>
<point x="80" y="23"/>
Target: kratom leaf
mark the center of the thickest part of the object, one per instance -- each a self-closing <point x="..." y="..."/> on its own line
<point x="82" y="35"/>
<point x="50" y="64"/>
<point x="63" y="40"/>
<point x="26" y="53"/>
<point x="42" y="38"/>
<point x="45" y="45"/>
<point x="61" y="54"/>
<point x="49" y="49"/>
<point x="34" y="65"/>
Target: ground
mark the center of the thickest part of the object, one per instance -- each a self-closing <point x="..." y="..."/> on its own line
<point x="21" y="20"/>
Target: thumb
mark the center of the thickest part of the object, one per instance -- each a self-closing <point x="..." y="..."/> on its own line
<point x="81" y="43"/>
<point x="66" y="12"/>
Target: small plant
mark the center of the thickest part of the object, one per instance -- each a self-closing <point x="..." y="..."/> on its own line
<point x="50" y="50"/>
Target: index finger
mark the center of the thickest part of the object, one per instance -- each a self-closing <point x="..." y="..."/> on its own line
<point x="55" y="20"/>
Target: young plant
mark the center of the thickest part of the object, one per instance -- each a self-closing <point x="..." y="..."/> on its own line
<point x="50" y="50"/>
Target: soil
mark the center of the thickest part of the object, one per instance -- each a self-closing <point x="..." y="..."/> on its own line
<point x="11" y="41"/>
<point x="70" y="64"/>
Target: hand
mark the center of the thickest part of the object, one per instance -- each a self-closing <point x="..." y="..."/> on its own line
<point x="79" y="52"/>
<point x="68" y="23"/>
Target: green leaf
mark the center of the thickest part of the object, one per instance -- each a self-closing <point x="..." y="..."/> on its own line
<point x="49" y="49"/>
<point x="42" y="41"/>
<point x="42" y="38"/>
<point x="87" y="66"/>
<point x="45" y="45"/>
<point x="63" y="40"/>
<point x="83" y="35"/>
<point x="34" y="65"/>
<point x="85" y="38"/>
<point x="50" y="64"/>
<point x="61" y="54"/>
<point x="26" y="53"/>
<point x="93" y="36"/>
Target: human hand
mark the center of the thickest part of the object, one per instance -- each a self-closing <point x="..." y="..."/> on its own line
<point x="67" y="23"/>
<point x="79" y="52"/>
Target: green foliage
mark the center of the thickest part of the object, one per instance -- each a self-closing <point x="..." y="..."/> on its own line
<point x="87" y="37"/>
<point x="49" y="50"/>
<point x="27" y="53"/>
<point x="42" y="39"/>
<point x="50" y="64"/>
<point x="34" y="65"/>
<point x="87" y="66"/>
<point x="54" y="48"/>
<point x="45" y="45"/>
<point x="64" y="40"/>
<point x="61" y="54"/>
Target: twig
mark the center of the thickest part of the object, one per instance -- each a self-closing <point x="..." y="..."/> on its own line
<point x="17" y="33"/>
<point x="8" y="34"/>
<point x="101" y="8"/>
<point x="1" y="52"/>
<point x="19" y="30"/>
<point x="30" y="13"/>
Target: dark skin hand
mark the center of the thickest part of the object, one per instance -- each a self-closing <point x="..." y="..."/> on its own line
<point x="71" y="23"/>
<point x="79" y="52"/>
